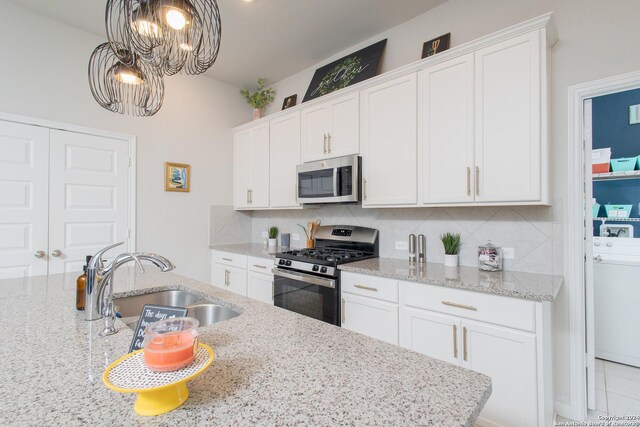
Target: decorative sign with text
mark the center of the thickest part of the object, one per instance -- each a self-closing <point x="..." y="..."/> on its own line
<point x="351" y="69"/>
<point x="153" y="313"/>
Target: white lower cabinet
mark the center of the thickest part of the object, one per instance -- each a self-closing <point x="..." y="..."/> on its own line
<point x="371" y="317"/>
<point x="507" y="339"/>
<point x="245" y="275"/>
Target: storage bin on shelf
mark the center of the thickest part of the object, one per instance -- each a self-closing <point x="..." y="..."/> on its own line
<point x="618" y="211"/>
<point x="624" y="164"/>
<point x="600" y="160"/>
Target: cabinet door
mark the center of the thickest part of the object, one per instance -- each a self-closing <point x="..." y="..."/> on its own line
<point x="314" y="124"/>
<point x="343" y="133"/>
<point x="284" y="156"/>
<point x="241" y="168"/>
<point x="259" y="167"/>
<point x="24" y="204"/>
<point x="260" y="287"/>
<point x="508" y="120"/>
<point x="374" y="318"/>
<point x="88" y="197"/>
<point x="219" y="276"/>
<point x="445" y="117"/>
<point x="436" y="335"/>
<point x="509" y="358"/>
<point x="389" y="143"/>
<point x="237" y="280"/>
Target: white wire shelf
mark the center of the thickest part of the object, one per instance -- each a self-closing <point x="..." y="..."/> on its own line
<point x="616" y="175"/>
<point x="604" y="219"/>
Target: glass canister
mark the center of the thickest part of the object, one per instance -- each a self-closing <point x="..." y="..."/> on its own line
<point x="490" y="257"/>
<point x="171" y="344"/>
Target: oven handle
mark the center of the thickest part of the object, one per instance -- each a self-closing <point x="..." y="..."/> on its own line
<point x="335" y="182"/>
<point x="314" y="280"/>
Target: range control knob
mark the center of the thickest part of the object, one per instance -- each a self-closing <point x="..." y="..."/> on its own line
<point x="323" y="270"/>
<point x="288" y="262"/>
<point x="315" y="268"/>
<point x="281" y="262"/>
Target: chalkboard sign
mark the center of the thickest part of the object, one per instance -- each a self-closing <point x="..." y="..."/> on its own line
<point x="152" y="313"/>
<point x="351" y="69"/>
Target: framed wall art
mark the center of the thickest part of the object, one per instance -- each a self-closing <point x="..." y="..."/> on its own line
<point x="177" y="177"/>
<point x="351" y="69"/>
<point x="436" y="45"/>
<point x="289" y="101"/>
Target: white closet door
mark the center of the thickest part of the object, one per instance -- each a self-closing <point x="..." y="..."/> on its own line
<point x="24" y="155"/>
<point x="88" y="197"/>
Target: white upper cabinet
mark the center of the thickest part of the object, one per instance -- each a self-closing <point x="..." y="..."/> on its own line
<point x="330" y="129"/>
<point x="445" y="112"/>
<point x="508" y="126"/>
<point x="251" y="167"/>
<point x="389" y="143"/>
<point x="284" y="156"/>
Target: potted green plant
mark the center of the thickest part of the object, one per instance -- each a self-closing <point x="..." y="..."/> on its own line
<point x="451" y="243"/>
<point x="259" y="99"/>
<point x="273" y="235"/>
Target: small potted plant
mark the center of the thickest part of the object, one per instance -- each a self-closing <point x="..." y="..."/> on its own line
<point x="259" y="99"/>
<point x="451" y="243"/>
<point x="273" y="235"/>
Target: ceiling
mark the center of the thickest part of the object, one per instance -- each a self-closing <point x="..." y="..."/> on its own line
<point x="267" y="38"/>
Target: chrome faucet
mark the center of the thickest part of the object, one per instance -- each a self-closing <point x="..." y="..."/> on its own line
<point x="99" y="284"/>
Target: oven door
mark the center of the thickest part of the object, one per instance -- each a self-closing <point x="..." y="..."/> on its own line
<point x="312" y="296"/>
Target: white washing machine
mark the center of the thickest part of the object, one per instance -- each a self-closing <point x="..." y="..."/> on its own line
<point x="616" y="281"/>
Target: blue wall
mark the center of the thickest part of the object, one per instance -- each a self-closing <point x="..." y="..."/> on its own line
<point x="611" y="128"/>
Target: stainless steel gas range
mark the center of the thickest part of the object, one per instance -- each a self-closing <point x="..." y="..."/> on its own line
<point x="307" y="281"/>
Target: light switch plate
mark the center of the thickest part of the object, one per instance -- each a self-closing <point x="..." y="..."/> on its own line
<point x="295" y="236"/>
<point x="508" y="253"/>
<point x="402" y="245"/>
<point x="265" y="234"/>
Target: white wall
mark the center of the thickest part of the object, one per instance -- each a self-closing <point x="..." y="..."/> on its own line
<point x="43" y="74"/>
<point x="596" y="39"/>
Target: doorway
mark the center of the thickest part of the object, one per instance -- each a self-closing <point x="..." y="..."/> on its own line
<point x="587" y="374"/>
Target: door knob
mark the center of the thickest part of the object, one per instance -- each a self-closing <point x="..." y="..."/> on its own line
<point x="39" y="254"/>
<point x="56" y="253"/>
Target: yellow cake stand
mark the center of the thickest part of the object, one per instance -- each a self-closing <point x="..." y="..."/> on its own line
<point x="158" y="392"/>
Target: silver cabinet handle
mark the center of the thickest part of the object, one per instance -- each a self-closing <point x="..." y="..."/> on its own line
<point x="227" y="259"/>
<point x="477" y="181"/>
<point x="342" y="314"/>
<point x="247" y="196"/>
<point x="464" y="343"/>
<point x="453" y="304"/>
<point x="56" y="253"/>
<point x="39" y="254"/>
<point x="250" y="196"/>
<point x="364" y="188"/>
<point x="597" y="258"/>
<point x="455" y="342"/>
<point x="226" y="277"/>
<point x="324" y="144"/>
<point x="259" y="266"/>
<point x="468" y="181"/>
<point x="273" y="290"/>
<point x="368" y="288"/>
<point x="329" y="143"/>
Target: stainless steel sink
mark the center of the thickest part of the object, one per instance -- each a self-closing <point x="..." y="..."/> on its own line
<point x="207" y="313"/>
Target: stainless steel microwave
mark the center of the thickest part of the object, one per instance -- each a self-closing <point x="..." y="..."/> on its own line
<point x="329" y="181"/>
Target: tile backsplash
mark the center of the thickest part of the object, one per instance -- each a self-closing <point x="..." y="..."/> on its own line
<point x="535" y="232"/>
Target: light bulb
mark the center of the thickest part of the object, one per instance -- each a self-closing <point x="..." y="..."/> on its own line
<point x="186" y="46"/>
<point x="176" y="19"/>
<point x="146" y="28"/>
<point x="127" y="75"/>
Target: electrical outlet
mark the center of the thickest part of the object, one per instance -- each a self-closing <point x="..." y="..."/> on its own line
<point x="265" y="235"/>
<point x="508" y="253"/>
<point x="295" y="236"/>
<point x="402" y="245"/>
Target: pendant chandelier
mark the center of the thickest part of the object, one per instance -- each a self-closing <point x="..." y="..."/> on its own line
<point x="149" y="39"/>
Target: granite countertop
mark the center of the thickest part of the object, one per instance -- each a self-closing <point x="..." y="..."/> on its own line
<point x="251" y="249"/>
<point x="531" y="286"/>
<point x="272" y="366"/>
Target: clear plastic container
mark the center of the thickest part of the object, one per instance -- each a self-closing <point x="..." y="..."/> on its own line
<point x="171" y="344"/>
<point x="489" y="257"/>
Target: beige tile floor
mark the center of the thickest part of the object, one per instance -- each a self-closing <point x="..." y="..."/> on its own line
<point x="617" y="390"/>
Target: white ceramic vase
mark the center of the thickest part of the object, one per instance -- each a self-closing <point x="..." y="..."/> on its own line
<point x="451" y="260"/>
<point x="273" y="243"/>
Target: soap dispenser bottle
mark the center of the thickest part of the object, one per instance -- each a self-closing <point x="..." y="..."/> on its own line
<point x="80" y="285"/>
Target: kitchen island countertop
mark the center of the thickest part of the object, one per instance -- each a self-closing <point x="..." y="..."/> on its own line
<point x="272" y="366"/>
